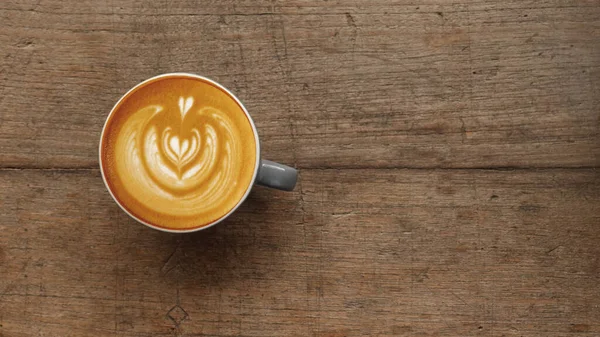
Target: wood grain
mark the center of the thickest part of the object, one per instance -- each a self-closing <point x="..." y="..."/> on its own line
<point x="345" y="84"/>
<point x="448" y="152"/>
<point x="357" y="253"/>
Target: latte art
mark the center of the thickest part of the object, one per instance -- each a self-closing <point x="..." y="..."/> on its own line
<point x="179" y="158"/>
<point x="184" y="158"/>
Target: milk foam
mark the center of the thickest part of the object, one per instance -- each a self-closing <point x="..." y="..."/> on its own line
<point x="179" y="152"/>
<point x="185" y="162"/>
<point x="160" y="160"/>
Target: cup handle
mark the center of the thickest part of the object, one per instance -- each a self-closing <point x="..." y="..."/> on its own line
<point x="275" y="175"/>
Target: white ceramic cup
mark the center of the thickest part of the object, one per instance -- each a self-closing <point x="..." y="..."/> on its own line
<point x="266" y="173"/>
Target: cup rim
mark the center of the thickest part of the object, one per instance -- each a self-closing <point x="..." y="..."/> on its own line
<point x="226" y="91"/>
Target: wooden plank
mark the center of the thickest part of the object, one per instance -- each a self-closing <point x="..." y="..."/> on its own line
<point x="348" y="84"/>
<point x="351" y="253"/>
<point x="288" y="7"/>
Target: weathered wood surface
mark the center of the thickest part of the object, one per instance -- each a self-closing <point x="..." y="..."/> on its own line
<point x="386" y="106"/>
<point x="357" y="253"/>
<point x="339" y="84"/>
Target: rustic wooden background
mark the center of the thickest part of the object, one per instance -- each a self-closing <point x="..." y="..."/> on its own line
<point x="448" y="151"/>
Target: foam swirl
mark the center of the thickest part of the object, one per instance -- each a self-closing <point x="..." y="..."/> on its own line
<point x="179" y="158"/>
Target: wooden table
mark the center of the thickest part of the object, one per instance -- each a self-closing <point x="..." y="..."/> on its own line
<point x="448" y="156"/>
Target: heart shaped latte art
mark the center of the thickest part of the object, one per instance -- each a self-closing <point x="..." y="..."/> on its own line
<point x="179" y="150"/>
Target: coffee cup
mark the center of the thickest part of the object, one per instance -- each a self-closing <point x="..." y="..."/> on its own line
<point x="180" y="153"/>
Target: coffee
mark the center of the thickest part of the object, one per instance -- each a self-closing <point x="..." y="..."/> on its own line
<point x="178" y="152"/>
